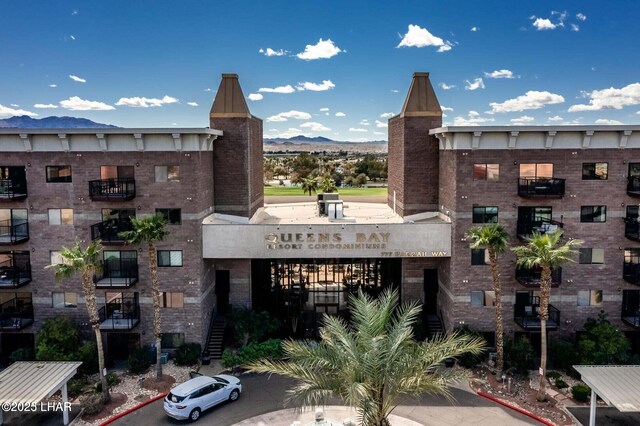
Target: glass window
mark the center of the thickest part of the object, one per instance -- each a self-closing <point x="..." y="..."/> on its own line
<point x="479" y="257"/>
<point x="595" y="171"/>
<point x="591" y="255"/>
<point x="483" y="171"/>
<point x="483" y="298"/>
<point x="589" y="297"/>
<point x="634" y="170"/>
<point x="64" y="299"/>
<point x="172" y="340"/>
<point x="536" y="170"/>
<point x="593" y="214"/>
<point x="61" y="174"/>
<point x="169" y="257"/>
<point x="167" y="173"/>
<point x="171" y="216"/>
<point x="60" y="216"/>
<point x="485" y="215"/>
<point x="172" y="300"/>
<point x="116" y="172"/>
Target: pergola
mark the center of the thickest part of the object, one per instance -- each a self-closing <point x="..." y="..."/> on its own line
<point x="29" y="382"/>
<point x="617" y="385"/>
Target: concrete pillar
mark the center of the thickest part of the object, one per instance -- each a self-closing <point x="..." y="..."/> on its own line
<point x="592" y="411"/>
<point x="65" y="400"/>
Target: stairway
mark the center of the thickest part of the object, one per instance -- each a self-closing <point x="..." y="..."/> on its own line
<point x="215" y="344"/>
<point x="434" y="325"/>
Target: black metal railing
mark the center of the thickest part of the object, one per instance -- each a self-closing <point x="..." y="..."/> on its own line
<point x="531" y="277"/>
<point x="14" y="231"/>
<point x="16" y="313"/>
<point x="109" y="231"/>
<point x="122" y="313"/>
<point x="631" y="272"/>
<point x="631" y="315"/>
<point x="633" y="186"/>
<point x="632" y="228"/>
<point x="526" y="229"/>
<point x="528" y="316"/>
<point x="541" y="187"/>
<point x="14" y="274"/>
<point x="14" y="188"/>
<point x="112" y="189"/>
<point x="118" y="273"/>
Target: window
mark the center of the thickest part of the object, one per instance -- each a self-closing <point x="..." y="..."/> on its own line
<point x="116" y="172"/>
<point x="595" y="171"/>
<point x="64" y="299"/>
<point x="60" y="216"/>
<point x="171" y="216"/>
<point x="591" y="255"/>
<point x="634" y="170"/>
<point x="172" y="299"/>
<point x="479" y="257"/>
<point x="632" y="256"/>
<point x="58" y="174"/>
<point x="589" y="297"/>
<point x="483" y="298"/>
<point x="486" y="171"/>
<point x="169" y="257"/>
<point x="536" y="171"/>
<point x="171" y="340"/>
<point x="593" y="214"/>
<point x="485" y="215"/>
<point x="167" y="173"/>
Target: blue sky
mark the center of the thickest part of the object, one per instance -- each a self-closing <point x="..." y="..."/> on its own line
<point x="158" y="63"/>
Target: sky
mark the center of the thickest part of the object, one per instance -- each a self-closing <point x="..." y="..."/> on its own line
<point x="336" y="69"/>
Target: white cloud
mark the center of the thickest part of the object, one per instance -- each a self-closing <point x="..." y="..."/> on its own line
<point x="340" y="114"/>
<point x="74" y="103"/>
<point x="72" y="37"/>
<point x="530" y="100"/>
<point x="474" y="29"/>
<point x="607" y="121"/>
<point x="499" y="74"/>
<point x="421" y="37"/>
<point x="255" y="97"/>
<point x="381" y="124"/>
<point x="544" y="24"/>
<point x="387" y="115"/>
<point x="394" y="91"/>
<point x="48" y="106"/>
<point x="555" y="118"/>
<point x="137" y="102"/>
<point x="324" y="109"/>
<point x="473" y="119"/>
<point x="610" y="98"/>
<point x="315" y="127"/>
<point x="575" y="27"/>
<point x="291" y="132"/>
<point x="445" y="86"/>
<point x="364" y="122"/>
<point x="280" y="89"/>
<point x="15" y="105"/>
<point x="581" y="16"/>
<point x="76" y="78"/>
<point x="74" y="12"/>
<point x="476" y="84"/>
<point x="207" y="89"/>
<point x="193" y="104"/>
<point x="270" y="52"/>
<point x="324" y="49"/>
<point x="474" y="114"/>
<point x="522" y="120"/>
<point x="283" y="116"/>
<point x="10" y="112"/>
<point x="352" y="129"/>
<point x="325" y="85"/>
<point x="53" y="85"/>
<point x="444" y="108"/>
<point x="379" y="133"/>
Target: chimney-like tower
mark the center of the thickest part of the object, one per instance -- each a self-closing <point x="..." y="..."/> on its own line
<point x="237" y="155"/>
<point x="413" y="153"/>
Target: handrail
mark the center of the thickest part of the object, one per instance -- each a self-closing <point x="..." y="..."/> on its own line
<point x="15" y="229"/>
<point x="112" y="189"/>
<point x="109" y="230"/>
<point x="544" y="187"/>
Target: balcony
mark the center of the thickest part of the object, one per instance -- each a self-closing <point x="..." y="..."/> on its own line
<point x="15" y="269"/>
<point x="525" y="229"/>
<point x="14" y="231"/>
<point x="16" y="314"/>
<point x="541" y="187"/>
<point x="632" y="228"/>
<point x="120" y="313"/>
<point x="108" y="231"/>
<point x="14" y="187"/>
<point x="633" y="186"/>
<point x="532" y="277"/>
<point x="118" y="273"/>
<point x="528" y="317"/>
<point x="631" y="272"/>
<point x="112" y="189"/>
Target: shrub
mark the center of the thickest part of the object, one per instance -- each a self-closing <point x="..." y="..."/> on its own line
<point x="75" y="386"/>
<point x="57" y="340"/>
<point x="580" y="392"/>
<point x="252" y="352"/>
<point x="560" y="383"/>
<point x="251" y="326"/>
<point x="553" y="375"/>
<point x="112" y="380"/>
<point x="88" y="354"/>
<point x="520" y="355"/>
<point x="138" y="361"/>
<point x="469" y="360"/>
<point x="22" y="354"/>
<point x="188" y="354"/>
<point x="91" y="404"/>
<point x="562" y="355"/>
<point x="602" y="343"/>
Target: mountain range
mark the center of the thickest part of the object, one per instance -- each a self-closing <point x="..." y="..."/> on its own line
<point x="53" y="122"/>
<point x="315" y="140"/>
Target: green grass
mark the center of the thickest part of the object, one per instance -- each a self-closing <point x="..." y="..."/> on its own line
<point x="283" y="191"/>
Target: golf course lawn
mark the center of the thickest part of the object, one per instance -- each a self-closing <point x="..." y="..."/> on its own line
<point x="297" y="191"/>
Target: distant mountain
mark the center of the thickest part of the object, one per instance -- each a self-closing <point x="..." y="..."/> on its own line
<point x="301" y="139"/>
<point x="26" y="122"/>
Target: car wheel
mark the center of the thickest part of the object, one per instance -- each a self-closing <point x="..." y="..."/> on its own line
<point x="233" y="396"/>
<point x="194" y="415"/>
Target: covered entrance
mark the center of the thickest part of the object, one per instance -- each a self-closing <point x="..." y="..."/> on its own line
<point x="121" y="345"/>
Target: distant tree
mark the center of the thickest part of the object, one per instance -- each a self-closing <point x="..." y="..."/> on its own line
<point x="327" y="185"/>
<point x="303" y="166"/>
<point x="361" y="179"/>
<point x="309" y="185"/>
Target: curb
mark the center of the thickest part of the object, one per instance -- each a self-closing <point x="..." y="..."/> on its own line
<point x="132" y="409"/>
<point x="513" y="407"/>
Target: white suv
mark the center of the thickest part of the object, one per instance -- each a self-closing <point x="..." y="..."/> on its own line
<point x="188" y="400"/>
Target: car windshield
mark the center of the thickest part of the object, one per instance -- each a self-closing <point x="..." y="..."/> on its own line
<point x="175" y="398"/>
<point x="221" y="380"/>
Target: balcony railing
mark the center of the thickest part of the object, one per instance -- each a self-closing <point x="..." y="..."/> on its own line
<point x="526" y="229"/>
<point x="16" y="314"/>
<point x="108" y="231"/>
<point x="631" y="273"/>
<point x="14" y="188"/>
<point x="532" y="277"/>
<point x="528" y="316"/>
<point x="122" y="313"/>
<point x="632" y="228"/>
<point x="633" y="186"/>
<point x="118" y="273"/>
<point x="14" y="273"/>
<point x="631" y="315"/>
<point x="541" y="187"/>
<point x="112" y="189"/>
<point x="14" y="231"/>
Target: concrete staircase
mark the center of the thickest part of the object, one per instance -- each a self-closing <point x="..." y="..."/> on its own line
<point x="215" y="344"/>
<point x="434" y="325"/>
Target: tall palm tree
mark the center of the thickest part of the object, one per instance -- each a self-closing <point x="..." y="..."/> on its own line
<point x="328" y="185"/>
<point x="543" y="251"/>
<point x="87" y="262"/>
<point x="151" y="229"/>
<point x="310" y="185"/>
<point x="493" y="238"/>
<point x="370" y="363"/>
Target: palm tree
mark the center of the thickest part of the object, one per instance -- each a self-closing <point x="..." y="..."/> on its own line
<point x="87" y="262"/>
<point x="372" y="362"/>
<point x="543" y="251"/>
<point x="151" y="229"/>
<point x="494" y="239"/>
<point x="309" y="185"/>
<point x="327" y="185"/>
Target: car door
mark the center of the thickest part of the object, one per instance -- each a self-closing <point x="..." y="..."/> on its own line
<point x="219" y="393"/>
<point x="207" y="397"/>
